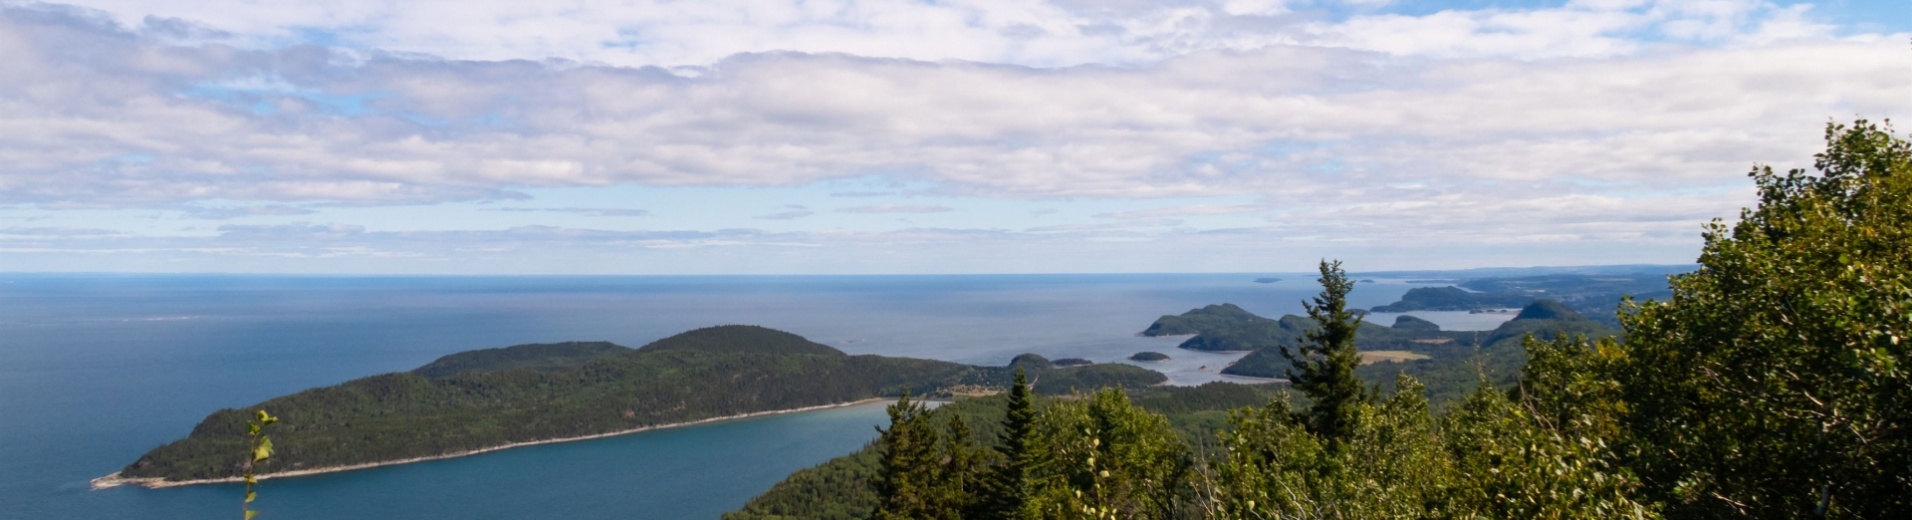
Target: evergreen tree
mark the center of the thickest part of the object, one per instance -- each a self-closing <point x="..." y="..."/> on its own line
<point x="1324" y="366"/>
<point x="1008" y="488"/>
<point x="963" y="476"/>
<point x="907" y="474"/>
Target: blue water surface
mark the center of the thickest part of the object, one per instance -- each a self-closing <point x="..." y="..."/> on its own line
<point x="97" y="369"/>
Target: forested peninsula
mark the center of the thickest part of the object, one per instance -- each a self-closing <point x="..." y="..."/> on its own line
<point x="486" y="399"/>
<point x="1449" y="362"/>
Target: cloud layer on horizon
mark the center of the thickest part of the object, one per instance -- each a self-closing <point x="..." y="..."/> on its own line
<point x="1610" y="121"/>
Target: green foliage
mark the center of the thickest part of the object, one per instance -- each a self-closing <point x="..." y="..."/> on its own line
<point x="1391" y="464"/>
<point x="1406" y="322"/>
<point x="1453" y="299"/>
<point x="842" y="489"/>
<point x="1325" y="362"/>
<point x="1031" y="362"/>
<point x="1546" y="450"/>
<point x="407" y="415"/>
<point x="739" y="339"/>
<point x="1009" y="481"/>
<point x="1107" y="459"/>
<point x="1197" y="321"/>
<point x="261" y="451"/>
<point x="1546" y="310"/>
<point x="845" y="487"/>
<point x="1774" y="383"/>
<point x="1090" y="377"/>
<point x="544" y="356"/>
<point x="923" y="473"/>
<point x="1456" y="369"/>
<point x="1596" y="295"/>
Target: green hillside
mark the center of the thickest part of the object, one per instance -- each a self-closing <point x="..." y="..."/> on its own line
<point x="495" y="397"/>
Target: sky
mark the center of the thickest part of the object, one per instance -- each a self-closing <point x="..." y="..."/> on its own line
<point x="907" y="136"/>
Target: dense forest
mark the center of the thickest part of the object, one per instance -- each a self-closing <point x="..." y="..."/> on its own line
<point x="494" y="397"/>
<point x="1772" y="382"/>
<point x="843" y="488"/>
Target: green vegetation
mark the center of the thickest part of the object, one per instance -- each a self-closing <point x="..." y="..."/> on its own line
<point x="1453" y="299"/>
<point x="1089" y="377"/>
<point x="1772" y="385"/>
<point x="1322" y="367"/>
<point x="1369" y="357"/>
<point x="542" y="356"/>
<point x="1196" y="321"/>
<point x="1596" y="296"/>
<point x="1410" y="323"/>
<point x="496" y="397"/>
<point x="261" y="450"/>
<point x="1149" y="356"/>
<point x="1775" y="382"/>
<point x="1455" y="360"/>
<point x="1005" y="431"/>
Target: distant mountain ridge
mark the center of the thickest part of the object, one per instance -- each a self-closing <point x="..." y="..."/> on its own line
<point x="1595" y="293"/>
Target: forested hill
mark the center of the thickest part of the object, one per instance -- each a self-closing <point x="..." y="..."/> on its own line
<point x="495" y="397"/>
<point x="1594" y="295"/>
<point x="1449" y="362"/>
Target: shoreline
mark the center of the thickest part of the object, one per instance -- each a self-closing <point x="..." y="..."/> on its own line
<point x="114" y="479"/>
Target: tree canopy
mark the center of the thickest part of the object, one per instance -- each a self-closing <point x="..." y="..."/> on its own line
<point x="1773" y="383"/>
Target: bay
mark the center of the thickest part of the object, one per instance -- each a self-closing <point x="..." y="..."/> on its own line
<point x="97" y="369"/>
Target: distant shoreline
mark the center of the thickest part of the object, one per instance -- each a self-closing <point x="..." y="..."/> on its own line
<point x="115" y="480"/>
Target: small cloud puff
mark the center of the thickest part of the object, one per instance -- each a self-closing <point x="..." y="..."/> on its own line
<point x="790" y="212"/>
<point x="897" y="208"/>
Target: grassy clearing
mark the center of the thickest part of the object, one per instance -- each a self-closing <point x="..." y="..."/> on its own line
<point x="1369" y="357"/>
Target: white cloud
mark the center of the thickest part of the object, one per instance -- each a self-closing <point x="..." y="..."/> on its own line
<point x="1036" y="33"/>
<point x="589" y="212"/>
<point x="1586" y="120"/>
<point x="896" y="208"/>
<point x="790" y="212"/>
<point x="1184" y="211"/>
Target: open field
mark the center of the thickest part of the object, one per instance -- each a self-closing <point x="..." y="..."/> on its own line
<point x="1370" y="357"/>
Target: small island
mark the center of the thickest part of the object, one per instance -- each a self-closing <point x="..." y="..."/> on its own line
<point x="1149" y="356"/>
<point x="1267" y="280"/>
<point x="1073" y="362"/>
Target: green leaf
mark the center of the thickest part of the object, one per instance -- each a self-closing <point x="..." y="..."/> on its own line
<point x="250" y="513"/>
<point x="264" y="451"/>
<point x="251" y="496"/>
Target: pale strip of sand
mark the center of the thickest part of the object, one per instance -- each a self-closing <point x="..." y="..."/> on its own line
<point x="115" y="480"/>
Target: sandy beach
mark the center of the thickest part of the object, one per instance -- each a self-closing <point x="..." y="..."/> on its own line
<point x="115" y="480"/>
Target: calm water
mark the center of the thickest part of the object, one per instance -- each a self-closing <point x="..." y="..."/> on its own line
<point x="94" y="370"/>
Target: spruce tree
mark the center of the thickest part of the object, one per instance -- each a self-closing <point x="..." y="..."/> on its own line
<point x="1008" y="488"/>
<point x="906" y="475"/>
<point x="963" y="476"/>
<point x="1324" y="366"/>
